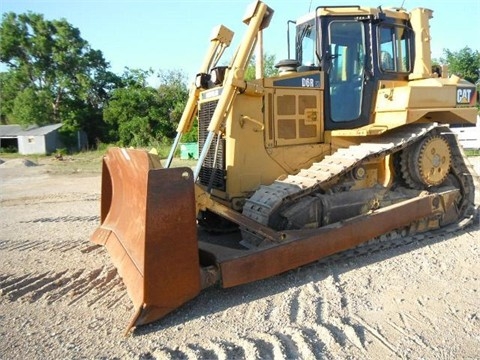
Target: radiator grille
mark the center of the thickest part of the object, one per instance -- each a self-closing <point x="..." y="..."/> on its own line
<point x="208" y="175"/>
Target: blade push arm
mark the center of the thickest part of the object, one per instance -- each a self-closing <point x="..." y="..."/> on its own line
<point x="219" y="41"/>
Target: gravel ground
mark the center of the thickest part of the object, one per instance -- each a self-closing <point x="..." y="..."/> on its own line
<point x="61" y="297"/>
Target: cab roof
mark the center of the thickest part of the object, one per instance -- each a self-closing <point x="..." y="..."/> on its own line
<point x="355" y="10"/>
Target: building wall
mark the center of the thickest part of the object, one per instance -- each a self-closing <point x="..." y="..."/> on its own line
<point x="47" y="143"/>
<point x="52" y="142"/>
<point x="31" y="145"/>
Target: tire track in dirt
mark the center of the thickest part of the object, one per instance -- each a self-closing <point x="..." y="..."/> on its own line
<point x="317" y="320"/>
<point x="101" y="287"/>
<point x="307" y="303"/>
<point x="299" y="340"/>
<point x="287" y="308"/>
<point x="269" y="346"/>
<point x="346" y="328"/>
<point x="316" y="312"/>
<point x="293" y="306"/>
<point x="308" y="322"/>
<point x="298" y="325"/>
<point x="290" y="343"/>
<point x="201" y="352"/>
<point x="59" y="246"/>
<point x="63" y="219"/>
<point x="49" y="199"/>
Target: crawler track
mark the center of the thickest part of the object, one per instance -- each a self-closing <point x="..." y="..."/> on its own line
<point x="321" y="176"/>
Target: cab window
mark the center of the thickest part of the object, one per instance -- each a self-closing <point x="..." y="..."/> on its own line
<point x="394" y="49"/>
<point x="306" y="44"/>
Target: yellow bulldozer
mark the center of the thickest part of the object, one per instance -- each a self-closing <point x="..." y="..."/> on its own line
<point x="350" y="141"/>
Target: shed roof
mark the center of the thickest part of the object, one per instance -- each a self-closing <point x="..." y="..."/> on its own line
<point x="15" y="130"/>
<point x="10" y="130"/>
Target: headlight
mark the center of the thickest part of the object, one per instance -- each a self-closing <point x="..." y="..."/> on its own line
<point x="201" y="81"/>
<point x="217" y="74"/>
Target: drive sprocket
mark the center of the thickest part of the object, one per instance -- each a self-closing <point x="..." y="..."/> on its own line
<point x="427" y="163"/>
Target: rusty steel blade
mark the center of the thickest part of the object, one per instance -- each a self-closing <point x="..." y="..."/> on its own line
<point x="148" y="225"/>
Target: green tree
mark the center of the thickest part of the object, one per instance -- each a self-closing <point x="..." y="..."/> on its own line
<point x="173" y="94"/>
<point x="269" y="68"/>
<point x="11" y="83"/>
<point x="143" y="115"/>
<point x="32" y="104"/>
<point x="464" y="63"/>
<point x="52" y="61"/>
<point x="130" y="111"/>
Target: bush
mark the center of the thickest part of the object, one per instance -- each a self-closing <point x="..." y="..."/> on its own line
<point x="61" y="152"/>
<point x="192" y="135"/>
<point x="8" y="150"/>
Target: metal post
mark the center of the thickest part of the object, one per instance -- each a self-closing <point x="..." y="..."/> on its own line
<point x="203" y="155"/>
<point x="173" y="149"/>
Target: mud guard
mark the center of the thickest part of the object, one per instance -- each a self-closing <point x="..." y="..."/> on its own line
<point x="148" y="225"/>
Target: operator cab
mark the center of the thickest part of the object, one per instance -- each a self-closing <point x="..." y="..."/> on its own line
<point x="356" y="47"/>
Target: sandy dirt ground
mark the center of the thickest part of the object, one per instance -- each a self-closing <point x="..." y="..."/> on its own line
<point x="60" y="297"/>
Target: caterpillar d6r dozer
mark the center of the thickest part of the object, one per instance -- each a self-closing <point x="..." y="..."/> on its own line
<point x="350" y="141"/>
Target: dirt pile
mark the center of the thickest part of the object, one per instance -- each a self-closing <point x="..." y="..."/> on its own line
<point x="17" y="163"/>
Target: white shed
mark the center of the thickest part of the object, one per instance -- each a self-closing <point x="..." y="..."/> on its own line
<point x="32" y="140"/>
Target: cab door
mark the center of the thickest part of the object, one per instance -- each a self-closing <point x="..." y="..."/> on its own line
<point x="347" y="65"/>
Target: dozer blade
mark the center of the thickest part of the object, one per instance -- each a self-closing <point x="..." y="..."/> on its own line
<point x="148" y="225"/>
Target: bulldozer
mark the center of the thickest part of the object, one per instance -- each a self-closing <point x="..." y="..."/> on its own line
<point x="350" y="141"/>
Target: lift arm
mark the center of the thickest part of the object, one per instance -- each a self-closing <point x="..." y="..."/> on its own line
<point x="257" y="17"/>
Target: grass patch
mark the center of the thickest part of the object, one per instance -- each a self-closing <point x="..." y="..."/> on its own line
<point x="85" y="162"/>
<point x="472" y="152"/>
<point x="90" y="162"/>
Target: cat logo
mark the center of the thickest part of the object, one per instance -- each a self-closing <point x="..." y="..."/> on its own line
<point x="464" y="95"/>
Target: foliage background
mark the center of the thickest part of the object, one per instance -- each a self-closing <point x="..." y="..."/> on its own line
<point x="54" y="76"/>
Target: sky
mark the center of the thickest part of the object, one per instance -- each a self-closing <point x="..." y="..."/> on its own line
<point x="174" y="35"/>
